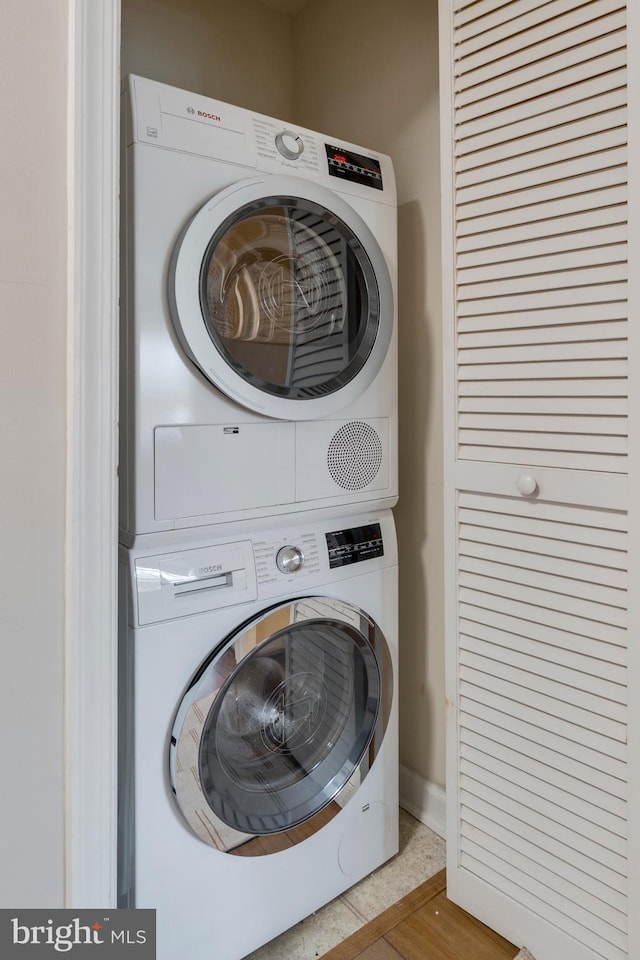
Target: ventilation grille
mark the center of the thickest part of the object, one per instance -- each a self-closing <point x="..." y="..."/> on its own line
<point x="542" y="697"/>
<point x="355" y="455"/>
<point x="541" y="232"/>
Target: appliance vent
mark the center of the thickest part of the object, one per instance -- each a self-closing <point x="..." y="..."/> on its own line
<point x="355" y="455"/>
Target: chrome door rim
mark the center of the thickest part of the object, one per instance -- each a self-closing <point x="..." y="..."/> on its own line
<point x="205" y="693"/>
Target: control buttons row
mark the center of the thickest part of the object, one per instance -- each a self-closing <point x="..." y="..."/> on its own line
<point x="352" y="166"/>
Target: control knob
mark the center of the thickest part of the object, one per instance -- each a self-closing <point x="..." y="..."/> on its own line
<point x="289" y="144"/>
<point x="289" y="559"/>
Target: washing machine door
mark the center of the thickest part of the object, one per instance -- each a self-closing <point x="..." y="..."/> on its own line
<point x="280" y="725"/>
<point x="282" y="297"/>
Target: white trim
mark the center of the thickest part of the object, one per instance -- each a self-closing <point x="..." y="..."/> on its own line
<point x="633" y="626"/>
<point x="91" y="508"/>
<point x="450" y="426"/>
<point x="423" y="800"/>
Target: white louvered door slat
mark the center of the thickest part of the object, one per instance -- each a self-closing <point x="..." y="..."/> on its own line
<point x="549" y="756"/>
<point x="565" y="192"/>
<point x="604" y="406"/>
<point x="555" y="388"/>
<point x="500" y="782"/>
<point x="505" y="568"/>
<point x="569" y="166"/>
<point x="544" y="334"/>
<point x="466" y="10"/>
<point x="611" y="269"/>
<point x="544" y="857"/>
<point x="469" y="25"/>
<point x="543" y="146"/>
<point x="582" y="349"/>
<point x="595" y="923"/>
<point x="476" y="169"/>
<point x="551" y="127"/>
<point x="536" y="171"/>
<point x="550" y="424"/>
<point x="573" y="850"/>
<point x="554" y="369"/>
<point x="547" y="831"/>
<point x="495" y="100"/>
<point x="527" y="32"/>
<point x="576" y="83"/>
<point x="549" y="217"/>
<point x="601" y="807"/>
<point x="514" y="70"/>
<point x="519" y="267"/>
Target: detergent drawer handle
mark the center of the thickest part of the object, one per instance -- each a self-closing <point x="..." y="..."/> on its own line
<point x="219" y="581"/>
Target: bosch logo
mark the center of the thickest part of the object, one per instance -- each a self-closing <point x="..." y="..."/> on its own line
<point x="212" y="568"/>
<point x="191" y="110"/>
<point x="209" y="116"/>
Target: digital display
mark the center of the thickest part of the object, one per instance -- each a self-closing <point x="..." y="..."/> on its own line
<point x="354" y="545"/>
<point x="347" y="165"/>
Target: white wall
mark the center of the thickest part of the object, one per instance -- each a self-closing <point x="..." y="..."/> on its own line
<point x="33" y="63"/>
<point x="232" y="50"/>
<point x="367" y="71"/>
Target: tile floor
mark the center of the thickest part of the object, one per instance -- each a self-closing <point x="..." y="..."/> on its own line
<point x="422" y="853"/>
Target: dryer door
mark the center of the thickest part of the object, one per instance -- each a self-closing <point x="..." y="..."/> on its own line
<point x="280" y="725"/>
<point x="282" y="297"/>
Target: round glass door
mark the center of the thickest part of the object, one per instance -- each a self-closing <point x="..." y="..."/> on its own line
<point x="289" y="298"/>
<point x="283" y="299"/>
<point x="277" y="723"/>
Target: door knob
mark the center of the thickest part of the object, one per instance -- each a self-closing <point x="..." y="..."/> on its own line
<point x="526" y="484"/>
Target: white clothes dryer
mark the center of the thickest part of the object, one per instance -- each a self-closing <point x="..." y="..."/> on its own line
<point x="258" y="733"/>
<point x="259" y="360"/>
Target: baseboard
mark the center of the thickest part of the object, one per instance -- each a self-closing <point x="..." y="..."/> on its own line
<point x="423" y="800"/>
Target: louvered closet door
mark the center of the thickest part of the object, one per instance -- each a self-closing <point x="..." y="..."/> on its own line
<point x="535" y="103"/>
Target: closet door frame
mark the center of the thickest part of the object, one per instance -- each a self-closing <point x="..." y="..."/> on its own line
<point x="633" y="88"/>
<point x="511" y="919"/>
<point x="91" y="636"/>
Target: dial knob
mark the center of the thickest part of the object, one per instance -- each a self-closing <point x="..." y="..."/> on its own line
<point x="289" y="145"/>
<point x="289" y="559"/>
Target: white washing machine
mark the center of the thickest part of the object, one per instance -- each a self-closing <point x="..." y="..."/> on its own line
<point x="258" y="740"/>
<point x="259" y="360"/>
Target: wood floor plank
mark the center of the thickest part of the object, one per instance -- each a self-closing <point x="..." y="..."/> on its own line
<point x="359" y="941"/>
<point x="380" y="950"/>
<point x="440" y="930"/>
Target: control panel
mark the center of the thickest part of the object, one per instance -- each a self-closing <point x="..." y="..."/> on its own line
<point x="354" y="545"/>
<point x="281" y="559"/>
<point x="347" y="165"/>
<point x="196" y="579"/>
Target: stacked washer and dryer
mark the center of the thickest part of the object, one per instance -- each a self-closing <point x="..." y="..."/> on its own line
<point x="258" y="574"/>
